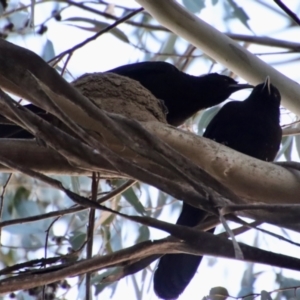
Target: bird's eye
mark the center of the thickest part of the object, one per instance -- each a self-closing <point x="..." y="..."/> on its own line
<point x="227" y="79"/>
<point x="276" y="94"/>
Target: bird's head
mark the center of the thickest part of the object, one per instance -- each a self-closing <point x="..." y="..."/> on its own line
<point x="223" y="86"/>
<point x="266" y="93"/>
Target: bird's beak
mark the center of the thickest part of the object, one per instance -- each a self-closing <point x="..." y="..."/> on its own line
<point x="267" y="84"/>
<point x="237" y="86"/>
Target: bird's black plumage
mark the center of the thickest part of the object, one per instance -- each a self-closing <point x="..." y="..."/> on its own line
<point x="182" y="94"/>
<point x="251" y="127"/>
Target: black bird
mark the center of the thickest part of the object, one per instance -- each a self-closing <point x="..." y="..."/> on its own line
<point x="251" y="127"/>
<point x="182" y="94"/>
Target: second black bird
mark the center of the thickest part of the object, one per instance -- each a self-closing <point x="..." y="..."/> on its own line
<point x="251" y="127"/>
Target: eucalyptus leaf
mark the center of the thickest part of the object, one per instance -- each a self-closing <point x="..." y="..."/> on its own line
<point x="48" y="51"/>
<point x="98" y="26"/>
<point x="99" y="277"/>
<point x="97" y="281"/>
<point x="77" y="239"/>
<point x="27" y="208"/>
<point x="206" y="117"/>
<point x="144" y="234"/>
<point x="75" y="184"/>
<point x="194" y="6"/>
<point x="297" y="144"/>
<point x="132" y="199"/>
<point x="24" y="229"/>
<point x="240" y="13"/>
<point x="285" y="146"/>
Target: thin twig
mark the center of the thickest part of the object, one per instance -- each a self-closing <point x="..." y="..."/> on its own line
<point x="37" y="263"/>
<point x="90" y="234"/>
<point x="42" y="216"/>
<point x="2" y="199"/>
<point x="46" y="248"/>
<point x="71" y="210"/>
<point x="66" y="63"/>
<point x="119" y="190"/>
<point x="288" y="11"/>
<point x="278" y="236"/>
<point x="242" y="229"/>
<point x="95" y="36"/>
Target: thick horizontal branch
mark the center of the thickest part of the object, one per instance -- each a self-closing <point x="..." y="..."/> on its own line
<point x="221" y="48"/>
<point x="29" y="154"/>
<point x="251" y="179"/>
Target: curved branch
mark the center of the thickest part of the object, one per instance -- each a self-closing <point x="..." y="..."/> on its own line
<point x="202" y="243"/>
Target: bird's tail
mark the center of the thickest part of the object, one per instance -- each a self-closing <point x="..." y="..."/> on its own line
<point x="175" y="271"/>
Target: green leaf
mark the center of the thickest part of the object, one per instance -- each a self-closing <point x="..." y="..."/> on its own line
<point x="131" y="198"/>
<point x="77" y="239"/>
<point x="239" y="13"/>
<point x="144" y="234"/>
<point x="21" y="194"/>
<point x="20" y="197"/>
<point x="194" y="6"/>
<point x="98" y="26"/>
<point x="161" y="201"/>
<point x="75" y="184"/>
<point x="288" y="151"/>
<point x="285" y="147"/>
<point x="168" y="46"/>
<point x="206" y="117"/>
<point x="97" y="280"/>
<point x="297" y="143"/>
<point x="99" y="277"/>
<point x="48" y="51"/>
<point x="27" y="208"/>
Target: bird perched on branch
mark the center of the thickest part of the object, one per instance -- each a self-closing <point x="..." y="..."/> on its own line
<point x="182" y="94"/>
<point x="251" y="127"/>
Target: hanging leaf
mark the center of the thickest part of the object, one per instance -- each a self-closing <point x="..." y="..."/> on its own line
<point x="48" y="51"/>
<point x="131" y="198"/>
<point x="297" y="143"/>
<point x="75" y="184"/>
<point x="19" y="198"/>
<point x="77" y="239"/>
<point x="285" y="147"/>
<point x="100" y="286"/>
<point x="194" y="6"/>
<point x="98" y="26"/>
<point x="240" y="13"/>
<point x="206" y="117"/>
<point x="144" y="234"/>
